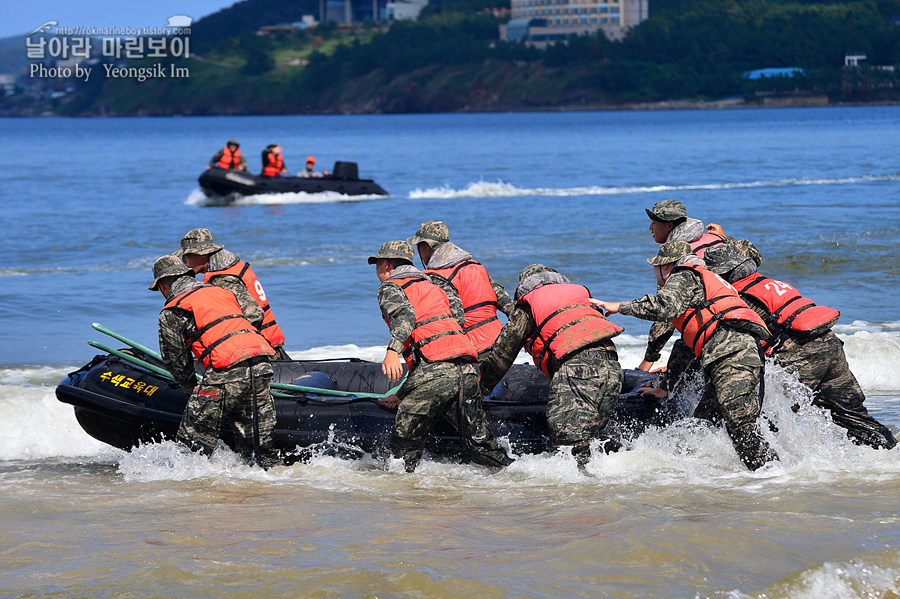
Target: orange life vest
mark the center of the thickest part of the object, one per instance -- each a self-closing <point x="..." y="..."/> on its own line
<point x="225" y="336"/>
<point x="566" y="322"/>
<point x="704" y="242"/>
<point x="437" y="336"/>
<point x="274" y="164"/>
<point x="788" y="310"/>
<point x="229" y="159"/>
<point x="269" y="328"/>
<point x="721" y="302"/>
<point x="479" y="301"/>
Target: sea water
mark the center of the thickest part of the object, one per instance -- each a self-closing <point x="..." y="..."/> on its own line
<point x="89" y="204"/>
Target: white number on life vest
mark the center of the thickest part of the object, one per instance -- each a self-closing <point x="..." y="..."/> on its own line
<point x="778" y="287"/>
<point x="259" y="291"/>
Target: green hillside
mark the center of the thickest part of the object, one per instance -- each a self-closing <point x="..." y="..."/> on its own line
<point x="451" y="60"/>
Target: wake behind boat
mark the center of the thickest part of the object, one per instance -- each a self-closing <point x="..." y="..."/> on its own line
<point x="344" y="179"/>
<point x="332" y="403"/>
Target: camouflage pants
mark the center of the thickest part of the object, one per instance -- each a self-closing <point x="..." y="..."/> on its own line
<point x="432" y="389"/>
<point x="212" y="405"/>
<point x="583" y="394"/>
<point x="732" y="394"/>
<point x="822" y="366"/>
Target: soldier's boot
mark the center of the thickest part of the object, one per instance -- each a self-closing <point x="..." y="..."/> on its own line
<point x="403" y="450"/>
<point x="266" y="458"/>
<point x="862" y="429"/>
<point x="752" y="448"/>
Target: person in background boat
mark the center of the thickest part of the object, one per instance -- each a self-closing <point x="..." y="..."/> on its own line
<point x="225" y="269"/>
<point x="723" y="332"/>
<point x="229" y="157"/>
<point x="802" y="341"/>
<point x="273" y="161"/>
<point x="571" y="343"/>
<point x="310" y="171"/>
<point x="455" y="271"/>
<point x="669" y="222"/>
<point x="439" y="358"/>
<point x="206" y="321"/>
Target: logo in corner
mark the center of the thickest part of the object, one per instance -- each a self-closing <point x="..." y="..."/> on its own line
<point x="179" y="21"/>
<point x="45" y="27"/>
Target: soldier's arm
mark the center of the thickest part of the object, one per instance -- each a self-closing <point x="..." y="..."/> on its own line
<point x="399" y="314"/>
<point x="660" y="333"/>
<point x="173" y="329"/>
<point x="248" y="303"/>
<point x="505" y="349"/>
<point x="216" y="157"/>
<point x="505" y="303"/>
<point x="676" y="296"/>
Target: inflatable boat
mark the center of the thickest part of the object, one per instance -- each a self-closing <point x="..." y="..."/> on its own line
<point x="328" y="403"/>
<point x="344" y="179"/>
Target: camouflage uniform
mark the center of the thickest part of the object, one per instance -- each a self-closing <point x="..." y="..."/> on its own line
<point x="819" y="361"/>
<point x="200" y="241"/>
<point x="446" y="254"/>
<point x="730" y="360"/>
<point x="583" y="390"/>
<point x="689" y="231"/>
<point x="432" y="389"/>
<point x="222" y="394"/>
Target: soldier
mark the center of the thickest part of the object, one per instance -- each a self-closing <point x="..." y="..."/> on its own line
<point x="455" y="271"/>
<point x="223" y="268"/>
<point x="207" y="321"/>
<point x="669" y="222"/>
<point x="571" y="343"/>
<point x="802" y="341"/>
<point x="229" y="157"/>
<point x="439" y="357"/>
<point x="722" y="332"/>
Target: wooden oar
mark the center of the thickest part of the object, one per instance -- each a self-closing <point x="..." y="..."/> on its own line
<point x="284" y="386"/>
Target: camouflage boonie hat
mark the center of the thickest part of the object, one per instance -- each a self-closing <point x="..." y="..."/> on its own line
<point x="432" y="232"/>
<point x="198" y="241"/>
<point x="670" y="251"/>
<point x="167" y="266"/>
<point x="667" y="211"/>
<point x="233" y="142"/>
<point x="394" y="249"/>
<point x="723" y="258"/>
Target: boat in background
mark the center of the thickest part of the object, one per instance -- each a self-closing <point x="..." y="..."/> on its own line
<point x="344" y="179"/>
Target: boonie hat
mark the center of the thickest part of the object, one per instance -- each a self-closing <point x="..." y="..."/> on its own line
<point x="233" y="142"/>
<point x="432" y="232"/>
<point x="723" y="258"/>
<point x="667" y="211"/>
<point x="670" y="251"/>
<point x="198" y="241"/>
<point x="167" y="266"/>
<point x="394" y="249"/>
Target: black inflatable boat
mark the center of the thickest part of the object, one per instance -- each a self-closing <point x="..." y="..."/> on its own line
<point x="124" y="405"/>
<point x="344" y="179"/>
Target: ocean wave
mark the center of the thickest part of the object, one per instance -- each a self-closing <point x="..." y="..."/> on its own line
<point x="503" y="189"/>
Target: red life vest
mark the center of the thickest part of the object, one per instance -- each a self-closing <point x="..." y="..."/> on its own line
<point x="269" y="328"/>
<point x="437" y="336"/>
<point x="788" y="310"/>
<point x="566" y="322"/>
<point x="721" y="302"/>
<point x="479" y="301"/>
<point x="226" y="337"/>
<point x="229" y="159"/>
<point x="704" y="242"/>
<point x="274" y="165"/>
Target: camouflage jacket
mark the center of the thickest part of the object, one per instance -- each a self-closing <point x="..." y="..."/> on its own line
<point x="175" y="327"/>
<point x="684" y="290"/>
<point x="399" y="312"/>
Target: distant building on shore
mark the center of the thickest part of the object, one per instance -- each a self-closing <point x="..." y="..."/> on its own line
<point x="543" y="22"/>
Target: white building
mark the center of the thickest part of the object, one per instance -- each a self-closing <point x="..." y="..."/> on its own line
<point x="542" y="22"/>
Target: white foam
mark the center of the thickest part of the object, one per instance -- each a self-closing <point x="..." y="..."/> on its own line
<point x="198" y="198"/>
<point x="503" y="189"/>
